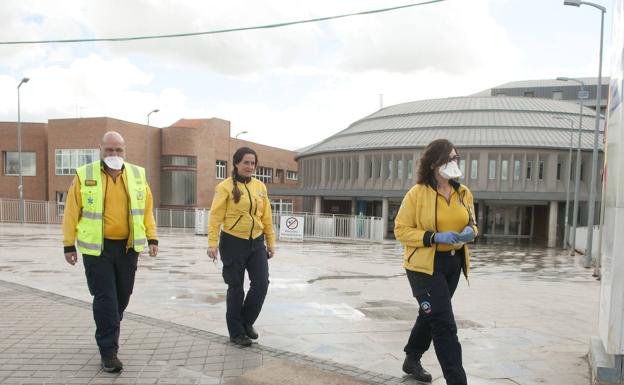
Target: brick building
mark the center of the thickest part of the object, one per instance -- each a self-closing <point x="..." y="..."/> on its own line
<point x="184" y="161"/>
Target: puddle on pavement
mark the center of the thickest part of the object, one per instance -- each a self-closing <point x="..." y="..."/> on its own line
<point x="364" y="276"/>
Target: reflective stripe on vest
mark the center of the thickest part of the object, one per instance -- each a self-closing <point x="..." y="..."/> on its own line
<point x="91" y="226"/>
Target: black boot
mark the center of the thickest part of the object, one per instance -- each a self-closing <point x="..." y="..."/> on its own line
<point x="412" y="366"/>
<point x="241" y="340"/>
<point x="111" y="364"/>
<point x="251" y="332"/>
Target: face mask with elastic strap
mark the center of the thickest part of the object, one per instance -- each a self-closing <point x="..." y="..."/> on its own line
<point x="450" y="171"/>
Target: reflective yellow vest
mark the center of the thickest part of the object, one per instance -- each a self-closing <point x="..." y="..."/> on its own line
<point x="90" y="235"/>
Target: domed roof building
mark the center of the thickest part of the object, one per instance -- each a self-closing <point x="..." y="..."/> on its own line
<point x="514" y="157"/>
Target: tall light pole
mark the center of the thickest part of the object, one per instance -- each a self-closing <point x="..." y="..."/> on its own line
<point x="149" y="142"/>
<point x="569" y="177"/>
<point x="229" y="151"/>
<point x="577" y="179"/>
<point x="592" y="187"/>
<point x="20" y="184"/>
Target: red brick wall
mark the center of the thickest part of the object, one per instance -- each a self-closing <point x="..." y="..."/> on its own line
<point x="86" y="133"/>
<point x="207" y="139"/>
<point x="33" y="140"/>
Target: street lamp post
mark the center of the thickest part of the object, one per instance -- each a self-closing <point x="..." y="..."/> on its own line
<point x="569" y="177"/>
<point x="20" y="184"/>
<point x="577" y="179"/>
<point x="229" y="151"/>
<point x="592" y="188"/>
<point x="149" y="142"/>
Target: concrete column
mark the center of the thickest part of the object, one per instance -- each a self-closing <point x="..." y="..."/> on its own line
<point x="508" y="213"/>
<point x="384" y="215"/>
<point x="317" y="204"/>
<point x="481" y="216"/>
<point x="552" y="223"/>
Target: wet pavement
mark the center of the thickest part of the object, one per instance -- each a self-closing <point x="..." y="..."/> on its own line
<point x="526" y="317"/>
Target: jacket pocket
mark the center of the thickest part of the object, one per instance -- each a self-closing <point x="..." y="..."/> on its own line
<point x="235" y="223"/>
<point x="259" y="206"/>
<point x="410" y="254"/>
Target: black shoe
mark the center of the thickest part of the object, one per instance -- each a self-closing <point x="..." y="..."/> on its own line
<point x="241" y="340"/>
<point x="111" y="364"/>
<point x="413" y="367"/>
<point x="251" y="332"/>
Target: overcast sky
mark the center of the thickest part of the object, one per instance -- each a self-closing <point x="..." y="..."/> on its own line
<point x="289" y="87"/>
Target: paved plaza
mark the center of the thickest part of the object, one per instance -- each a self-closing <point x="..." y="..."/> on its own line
<point x="335" y="313"/>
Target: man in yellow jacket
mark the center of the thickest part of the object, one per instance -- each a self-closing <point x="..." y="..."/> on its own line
<point x="108" y="215"/>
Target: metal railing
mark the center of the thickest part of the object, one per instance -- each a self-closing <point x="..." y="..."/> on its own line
<point x="317" y="227"/>
<point x="34" y="211"/>
<point x="45" y="212"/>
<point x="179" y="218"/>
<point x="320" y="227"/>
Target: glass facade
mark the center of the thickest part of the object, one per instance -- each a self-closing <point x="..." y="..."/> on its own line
<point x="178" y="180"/>
<point x="66" y="161"/>
<point x="178" y="187"/>
<point x="11" y="163"/>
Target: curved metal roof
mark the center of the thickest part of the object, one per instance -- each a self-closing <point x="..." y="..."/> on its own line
<point x="468" y="122"/>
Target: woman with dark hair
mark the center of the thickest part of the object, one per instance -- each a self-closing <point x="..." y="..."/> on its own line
<point x="434" y="223"/>
<point x="240" y="225"/>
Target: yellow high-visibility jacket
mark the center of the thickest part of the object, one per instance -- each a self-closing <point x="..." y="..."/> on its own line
<point x="416" y="222"/>
<point x="73" y="212"/>
<point x="249" y="218"/>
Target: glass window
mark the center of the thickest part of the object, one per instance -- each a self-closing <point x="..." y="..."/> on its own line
<point x="180" y="161"/>
<point x="291" y="175"/>
<point x="282" y="206"/>
<point x="557" y="95"/>
<point x="178" y="187"/>
<point x="400" y="169"/>
<point x="529" y="168"/>
<point x="356" y="167"/>
<point x="492" y="169"/>
<point x="558" y="170"/>
<point x="389" y="169"/>
<point x="410" y="169"/>
<point x="221" y="169"/>
<point x="529" y="94"/>
<point x="264" y="174"/>
<point x="504" y="169"/>
<point x="540" y="171"/>
<point x="370" y="169"/>
<point x="473" y="169"/>
<point x="516" y="170"/>
<point x="378" y="168"/>
<point x="66" y="161"/>
<point x="581" y="170"/>
<point x="462" y="168"/>
<point x="11" y="163"/>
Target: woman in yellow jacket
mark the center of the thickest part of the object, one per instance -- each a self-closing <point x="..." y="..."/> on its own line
<point x="434" y="223"/>
<point x="240" y="224"/>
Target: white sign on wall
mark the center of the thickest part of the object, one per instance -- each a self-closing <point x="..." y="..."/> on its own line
<point x="291" y="228"/>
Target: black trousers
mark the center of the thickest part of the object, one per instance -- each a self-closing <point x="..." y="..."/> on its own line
<point x="239" y="255"/>
<point x="435" y="316"/>
<point x="110" y="277"/>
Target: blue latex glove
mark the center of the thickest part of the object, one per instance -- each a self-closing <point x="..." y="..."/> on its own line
<point x="467" y="235"/>
<point x="447" y="237"/>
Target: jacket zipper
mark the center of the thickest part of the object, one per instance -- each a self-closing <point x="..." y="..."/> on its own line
<point x="127" y="188"/>
<point x="103" y="209"/>
<point x="250" y="207"/>
<point x="235" y="223"/>
<point x="410" y="256"/>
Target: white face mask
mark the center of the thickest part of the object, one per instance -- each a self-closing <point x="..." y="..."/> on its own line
<point x="450" y="171"/>
<point x="114" y="162"/>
